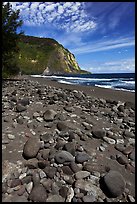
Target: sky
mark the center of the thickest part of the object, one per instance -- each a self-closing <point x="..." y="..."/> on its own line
<point x="101" y="35"/>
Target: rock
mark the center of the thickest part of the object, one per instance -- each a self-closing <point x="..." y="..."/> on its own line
<point x="82" y="174"/>
<point x="70" y="194"/>
<point x="87" y="185"/>
<point x="120" y="147"/>
<point x="70" y="147"/>
<point x="122" y="159"/>
<point x="35" y="178"/>
<point x="31" y="148"/>
<point x="98" y="133"/>
<point x="63" y="156"/>
<point x="131" y="198"/>
<point x="11" y="137"/>
<point x="24" y="101"/>
<point x="46" y="137"/>
<point x="43" y="163"/>
<point x="49" y="115"/>
<point x="29" y="187"/>
<point x="81" y="157"/>
<point x="31" y="163"/>
<point x="69" y="109"/>
<point x="114" y="183"/>
<point x="15" y="182"/>
<point x="14" y="99"/>
<point x="74" y="167"/>
<point x="20" y="120"/>
<point x="21" y="191"/>
<point x="45" y="153"/>
<point x="50" y="171"/>
<point x="129" y="104"/>
<point x="38" y="194"/>
<point x="121" y="108"/>
<point x="20" y="108"/>
<point x="129" y="134"/>
<point x="89" y="198"/>
<point x="127" y="150"/>
<point x="67" y="170"/>
<point x="62" y="126"/>
<point x="55" y="198"/>
<point x="26" y="179"/>
<point x="109" y="140"/>
<point x="132" y="155"/>
<point x="42" y="174"/>
<point x="46" y="183"/>
<point x="63" y="191"/>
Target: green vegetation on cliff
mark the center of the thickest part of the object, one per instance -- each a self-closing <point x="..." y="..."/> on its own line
<point x="36" y="54"/>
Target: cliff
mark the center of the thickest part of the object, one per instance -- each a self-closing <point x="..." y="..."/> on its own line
<point x="38" y="55"/>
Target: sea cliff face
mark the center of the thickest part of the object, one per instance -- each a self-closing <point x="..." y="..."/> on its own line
<point x="45" y="55"/>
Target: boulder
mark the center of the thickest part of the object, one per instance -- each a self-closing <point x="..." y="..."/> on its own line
<point x="115" y="183"/>
<point x="31" y="148"/>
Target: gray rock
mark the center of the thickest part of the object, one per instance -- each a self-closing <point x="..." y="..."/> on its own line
<point x="120" y="147"/>
<point x="132" y="155"/>
<point x="88" y="186"/>
<point x="11" y="137"/>
<point x="62" y="126"/>
<point x="31" y="148"/>
<point x="55" y="198"/>
<point x="49" y="115"/>
<point x="24" y="101"/>
<point x="63" y="156"/>
<point x="63" y="191"/>
<point x="38" y="194"/>
<point x="121" y="108"/>
<point x="31" y="163"/>
<point x="20" y="120"/>
<point x="89" y="198"/>
<point x="70" y="147"/>
<point x="36" y="179"/>
<point x="82" y="174"/>
<point x="69" y="109"/>
<point x="50" y="171"/>
<point x="45" y="153"/>
<point x="82" y="157"/>
<point x="67" y="170"/>
<point x="129" y="134"/>
<point x="46" y="137"/>
<point x="20" y="108"/>
<point x="74" y="167"/>
<point x="98" y="133"/>
<point x="109" y="140"/>
<point x="115" y="183"/>
<point x="122" y="159"/>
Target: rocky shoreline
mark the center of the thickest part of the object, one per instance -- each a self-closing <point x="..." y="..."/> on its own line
<point x="64" y="145"/>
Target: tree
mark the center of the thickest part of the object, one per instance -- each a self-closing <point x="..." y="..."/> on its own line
<point x="10" y="23"/>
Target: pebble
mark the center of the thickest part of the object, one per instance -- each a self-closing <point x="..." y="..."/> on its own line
<point x="22" y="175"/>
<point x="65" y="167"/>
<point x="82" y="174"/>
<point x="11" y="137"/>
<point x="131" y="198"/>
<point x="109" y="140"/>
<point x="29" y="187"/>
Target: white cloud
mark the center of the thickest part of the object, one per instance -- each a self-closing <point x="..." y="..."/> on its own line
<point x="66" y="10"/>
<point x="104" y="45"/>
<point x="118" y="66"/>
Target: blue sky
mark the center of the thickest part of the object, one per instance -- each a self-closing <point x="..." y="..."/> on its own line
<point x="101" y="35"/>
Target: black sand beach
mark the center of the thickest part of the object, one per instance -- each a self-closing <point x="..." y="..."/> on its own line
<point x="67" y="143"/>
<point x="104" y="93"/>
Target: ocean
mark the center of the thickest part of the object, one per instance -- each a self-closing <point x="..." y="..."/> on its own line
<point x="118" y="81"/>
